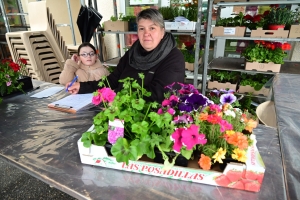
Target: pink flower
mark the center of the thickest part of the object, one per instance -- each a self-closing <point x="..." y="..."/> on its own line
<point x="166" y="102"/>
<point x="174" y="98"/>
<point x="114" y="133"/>
<point x="108" y="94"/>
<point x="191" y="137"/>
<point x="224" y="126"/>
<point x="160" y="111"/>
<point x="171" y="111"/>
<point x="8" y="83"/>
<point x="176" y="138"/>
<point x="97" y="98"/>
<point x="183" y="119"/>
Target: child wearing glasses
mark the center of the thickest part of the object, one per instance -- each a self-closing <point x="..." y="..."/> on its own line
<point x="86" y="65"/>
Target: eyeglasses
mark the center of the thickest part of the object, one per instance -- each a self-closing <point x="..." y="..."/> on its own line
<point x="91" y="54"/>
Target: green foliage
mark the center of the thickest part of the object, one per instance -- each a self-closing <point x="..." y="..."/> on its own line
<point x="122" y="17"/>
<point x="224" y="76"/>
<point x="259" y="53"/>
<point x="144" y="129"/>
<point x="238" y="20"/>
<point x="257" y="81"/>
<point x="167" y="13"/>
<point x="279" y="16"/>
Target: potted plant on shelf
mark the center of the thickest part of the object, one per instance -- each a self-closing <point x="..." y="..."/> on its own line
<point x="295" y="27"/>
<point x="13" y="77"/>
<point x="222" y="79"/>
<point x="254" y="84"/>
<point x="230" y="26"/>
<point x="278" y="17"/>
<point x="265" y="55"/>
<point x="188" y="51"/>
<point x="119" y="23"/>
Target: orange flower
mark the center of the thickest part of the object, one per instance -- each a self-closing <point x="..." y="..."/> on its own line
<point x="238" y="139"/>
<point x="203" y="116"/>
<point x="225" y="106"/>
<point x="214" y="119"/>
<point x="250" y="125"/>
<point x="204" y="162"/>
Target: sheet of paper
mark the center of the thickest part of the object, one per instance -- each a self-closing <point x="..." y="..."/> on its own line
<point x="48" y="92"/>
<point x="75" y="102"/>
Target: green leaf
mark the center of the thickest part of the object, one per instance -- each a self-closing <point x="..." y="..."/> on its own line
<point x="123" y="152"/>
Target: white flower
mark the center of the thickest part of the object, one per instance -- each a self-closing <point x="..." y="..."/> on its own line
<point x="230" y="113"/>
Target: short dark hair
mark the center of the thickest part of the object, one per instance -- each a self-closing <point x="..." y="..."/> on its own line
<point x="152" y="14"/>
<point x="86" y="44"/>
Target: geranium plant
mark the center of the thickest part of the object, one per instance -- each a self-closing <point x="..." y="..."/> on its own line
<point x="144" y="129"/>
<point x="238" y="20"/>
<point x="257" y="81"/>
<point x="10" y="72"/>
<point x="265" y="52"/>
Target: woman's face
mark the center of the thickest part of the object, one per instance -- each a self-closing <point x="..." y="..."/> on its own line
<point x="149" y="34"/>
<point x="87" y="56"/>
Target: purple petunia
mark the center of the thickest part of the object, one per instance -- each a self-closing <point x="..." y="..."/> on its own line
<point x="227" y="98"/>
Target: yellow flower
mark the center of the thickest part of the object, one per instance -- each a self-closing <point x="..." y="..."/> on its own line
<point x="239" y="155"/>
<point x="219" y="155"/>
<point x="231" y="132"/>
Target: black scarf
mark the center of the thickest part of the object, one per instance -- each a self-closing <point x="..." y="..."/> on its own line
<point x="140" y="59"/>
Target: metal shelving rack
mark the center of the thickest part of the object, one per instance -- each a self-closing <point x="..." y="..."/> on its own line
<point x="236" y="64"/>
<point x="197" y="34"/>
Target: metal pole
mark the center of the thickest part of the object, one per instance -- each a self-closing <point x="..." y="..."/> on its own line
<point x="71" y="22"/>
<point x="207" y="42"/>
<point x="198" y="35"/>
<point x="6" y="21"/>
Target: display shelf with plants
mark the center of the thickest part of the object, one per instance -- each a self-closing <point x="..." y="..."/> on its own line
<point x="220" y="79"/>
<point x="255" y="84"/>
<point x="276" y="55"/>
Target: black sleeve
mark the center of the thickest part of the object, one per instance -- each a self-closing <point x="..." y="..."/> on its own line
<point x="88" y="87"/>
<point x="170" y="70"/>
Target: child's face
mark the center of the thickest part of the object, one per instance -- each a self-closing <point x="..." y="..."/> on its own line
<point x="87" y="56"/>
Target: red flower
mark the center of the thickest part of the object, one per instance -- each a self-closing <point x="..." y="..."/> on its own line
<point x="286" y="46"/>
<point x="14" y="66"/>
<point x="248" y="17"/>
<point x="24" y="61"/>
<point x="266" y="13"/>
<point x="257" y="18"/>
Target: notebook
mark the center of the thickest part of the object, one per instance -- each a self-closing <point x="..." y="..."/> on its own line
<point x="72" y="103"/>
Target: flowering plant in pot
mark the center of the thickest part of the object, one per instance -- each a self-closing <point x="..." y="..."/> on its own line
<point x="213" y="129"/>
<point x="10" y="73"/>
<point x="266" y="52"/>
<point x="143" y="131"/>
<point x="278" y="17"/>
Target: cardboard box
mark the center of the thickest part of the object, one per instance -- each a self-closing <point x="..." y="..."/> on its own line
<point x="294" y="31"/>
<point x="228" y="31"/>
<point x="280" y="33"/>
<point x="180" y="26"/>
<point x="189" y="66"/>
<point x="248" y="89"/>
<point x="265" y="67"/>
<point x="115" y="25"/>
<point x="217" y="85"/>
<point x="246" y="176"/>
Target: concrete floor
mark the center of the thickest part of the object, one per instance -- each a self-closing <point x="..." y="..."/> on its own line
<point x="17" y="185"/>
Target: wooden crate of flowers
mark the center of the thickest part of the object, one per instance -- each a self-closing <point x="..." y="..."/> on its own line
<point x="271" y="24"/>
<point x="221" y="79"/>
<point x="265" y="55"/>
<point x="230" y="26"/>
<point x="186" y="125"/>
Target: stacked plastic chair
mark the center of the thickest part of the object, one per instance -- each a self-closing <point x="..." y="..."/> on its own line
<point x="42" y="47"/>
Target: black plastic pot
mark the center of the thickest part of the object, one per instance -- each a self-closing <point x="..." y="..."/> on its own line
<point x="180" y="161"/>
<point x="27" y="85"/>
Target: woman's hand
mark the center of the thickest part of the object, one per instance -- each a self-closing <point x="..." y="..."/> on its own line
<point x="74" y="88"/>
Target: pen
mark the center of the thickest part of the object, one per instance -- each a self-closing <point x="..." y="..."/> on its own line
<point x="73" y="81"/>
